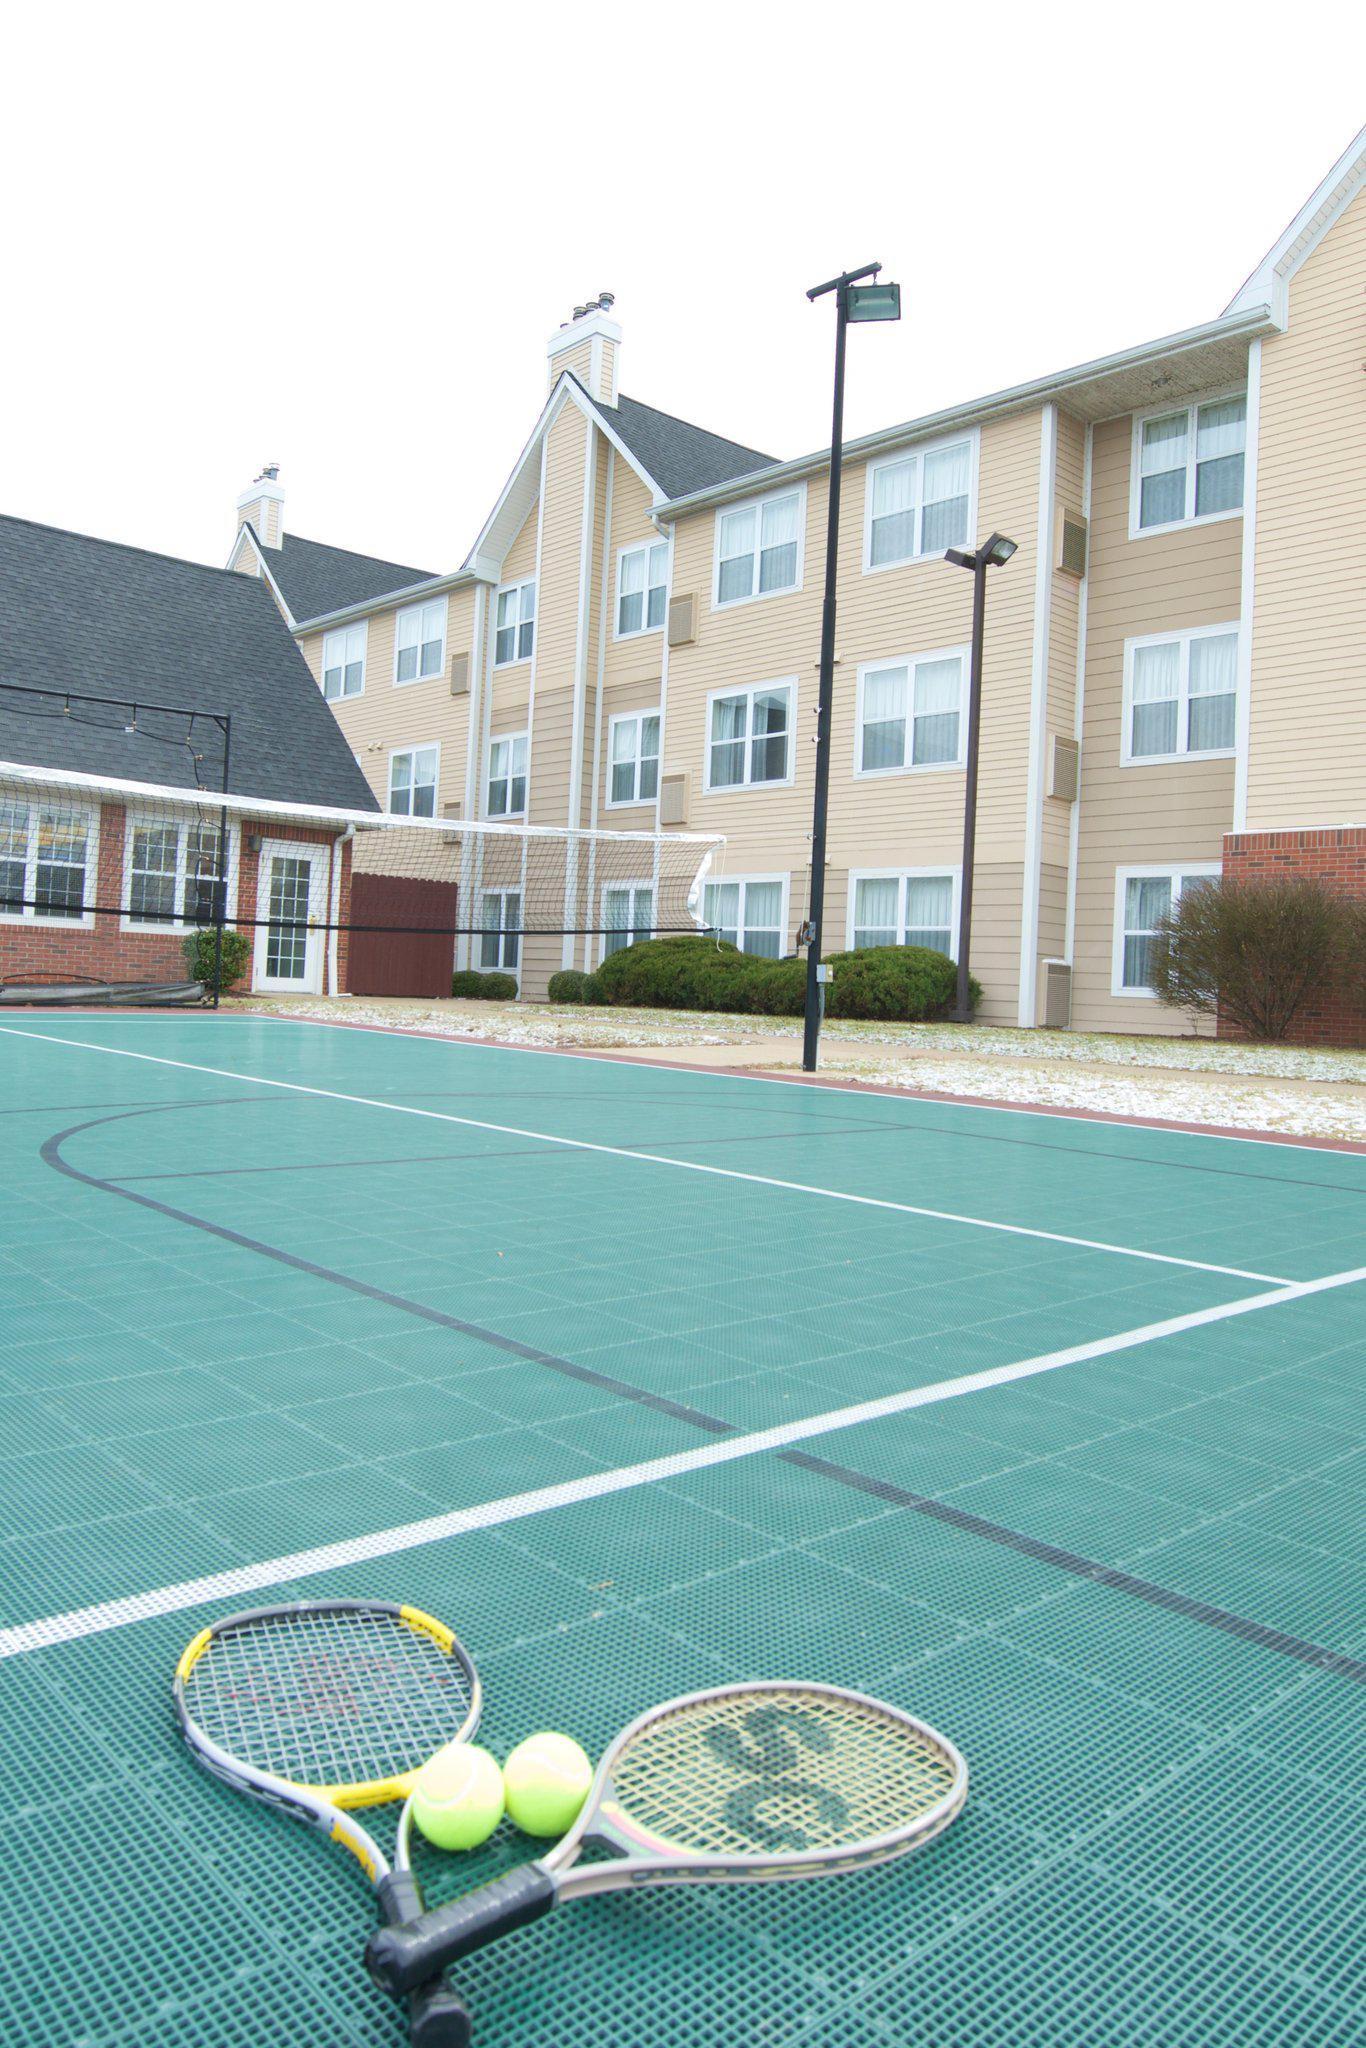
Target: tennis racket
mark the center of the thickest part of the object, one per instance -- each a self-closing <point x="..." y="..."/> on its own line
<point x="740" y="1785"/>
<point x="320" y="1708"/>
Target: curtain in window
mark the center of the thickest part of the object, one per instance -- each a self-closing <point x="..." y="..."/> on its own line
<point x="1146" y="899"/>
<point x="1162" y="466"/>
<point x="624" y="743"/>
<point x="944" y="522"/>
<point x="409" y="642"/>
<point x="658" y="584"/>
<point x="499" y="944"/>
<point x="768" y="744"/>
<point x="631" y="599"/>
<point x="929" y="912"/>
<point x="893" y="534"/>
<point x="649" y="759"/>
<point x="778" y="546"/>
<point x="763" y="919"/>
<point x="938" y="689"/>
<point x="884" y="719"/>
<point x="59" y="875"/>
<point x="505" y="639"/>
<point x="877" y="911"/>
<point x="424" y="784"/>
<point x="1220" y="438"/>
<point x="721" y="910"/>
<point x="401" y="783"/>
<point x="729" y="727"/>
<point x="526" y="628"/>
<point x="738" y="530"/>
<point x="152" y="879"/>
<point x="1157" y="685"/>
<point x="13" y="855"/>
<point x="630" y="916"/>
<point x="1213" y="687"/>
<point x="433" y="630"/>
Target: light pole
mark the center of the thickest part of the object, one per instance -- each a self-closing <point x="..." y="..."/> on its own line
<point x="990" y="555"/>
<point x="854" y="301"/>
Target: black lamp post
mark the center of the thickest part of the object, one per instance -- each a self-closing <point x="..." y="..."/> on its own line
<point x="991" y="555"/>
<point x="855" y="301"/>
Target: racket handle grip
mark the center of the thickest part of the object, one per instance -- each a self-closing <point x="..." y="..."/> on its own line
<point x="399" y="1958"/>
<point x="436" y="2017"/>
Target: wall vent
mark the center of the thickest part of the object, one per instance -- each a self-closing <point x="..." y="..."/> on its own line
<point x="460" y="675"/>
<point x="1057" y="995"/>
<point x="673" y="799"/>
<point x="683" y="619"/>
<point x="1072" y="544"/>
<point x="1064" y="772"/>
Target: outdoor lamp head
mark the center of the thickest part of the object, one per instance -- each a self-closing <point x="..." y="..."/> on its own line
<point x="998" y="550"/>
<point x="872" y="302"/>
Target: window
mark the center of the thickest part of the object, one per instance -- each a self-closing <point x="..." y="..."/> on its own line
<point x="412" y="782"/>
<point x="1181" y="695"/>
<point x="758" y="549"/>
<point x="911" y="714"/>
<point x="1189" y="464"/>
<point x="642" y="588"/>
<point x="500" y="940"/>
<point x="507" y="776"/>
<point x="628" y="911"/>
<point x="633" y="750"/>
<point x="344" y="662"/>
<point x="173" y="872"/>
<point x="1143" y="896"/>
<point x="47" y="859"/>
<point x="914" y="908"/>
<point x="749" y="912"/>
<point x="749" y="738"/>
<point x="420" y="642"/>
<point x="919" y="503"/>
<point x="515" y="631"/>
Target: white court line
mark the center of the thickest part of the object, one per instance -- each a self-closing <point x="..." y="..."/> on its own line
<point x="251" y="1578"/>
<point x="795" y="1187"/>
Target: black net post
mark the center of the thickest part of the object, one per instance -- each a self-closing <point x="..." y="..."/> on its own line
<point x="220" y="894"/>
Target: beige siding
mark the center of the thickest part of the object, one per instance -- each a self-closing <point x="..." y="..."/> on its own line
<point x="1307" y="756"/>
<point x="557" y="618"/>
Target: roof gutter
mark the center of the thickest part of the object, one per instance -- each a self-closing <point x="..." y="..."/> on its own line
<point x="408" y="593"/>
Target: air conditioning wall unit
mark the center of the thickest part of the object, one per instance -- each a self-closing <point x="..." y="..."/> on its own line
<point x="1064" y="769"/>
<point x="683" y="619"/>
<point x="674" y="792"/>
<point x="1057" y="995"/>
<point x="460" y="675"/>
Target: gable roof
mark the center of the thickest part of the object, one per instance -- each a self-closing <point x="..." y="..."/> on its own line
<point x="95" y="617"/>
<point x="314" y="578"/>
<point x="680" y="457"/>
<point x="1269" y="282"/>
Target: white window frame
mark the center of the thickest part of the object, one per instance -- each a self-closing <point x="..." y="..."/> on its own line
<point x="756" y="506"/>
<point x="503" y="590"/>
<point x="745" y="882"/>
<point x="1179" y="872"/>
<point x="1181" y="752"/>
<point x="943" y="872"/>
<point x="637" y="718"/>
<point x="343" y="633"/>
<point x="646" y="548"/>
<point x="640" y="882"/>
<point x="501" y="739"/>
<point x="910" y="662"/>
<point x="919" y="450"/>
<point x="133" y="820"/>
<point x="397" y="753"/>
<point x="518" y="931"/>
<point x="750" y="690"/>
<point x="1190" y="407"/>
<point x="29" y="916"/>
<point x="410" y="611"/>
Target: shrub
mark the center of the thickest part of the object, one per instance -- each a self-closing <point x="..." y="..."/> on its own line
<point x="683" y="972"/>
<point x="570" y="985"/>
<point x="899" y="983"/>
<point x="489" y="988"/>
<point x="776" y="988"/>
<point x="697" y="973"/>
<point x="1253" y="952"/>
<point x="200" y="950"/>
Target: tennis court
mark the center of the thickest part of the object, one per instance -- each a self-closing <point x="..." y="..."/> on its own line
<point x="644" y="1380"/>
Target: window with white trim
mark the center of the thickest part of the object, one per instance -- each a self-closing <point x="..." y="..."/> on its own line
<point x="919" y="503"/>
<point x="1143" y="897"/>
<point x="344" y="661"/>
<point x="1189" y="463"/>
<point x="642" y="588"/>
<point x="47" y="862"/>
<point x="757" y="548"/>
<point x="507" y="775"/>
<point x="628" y="911"/>
<point x="420" y="642"/>
<point x="412" y="782"/>
<point x="911" y="713"/>
<point x="1181" y="695"/>
<point x="174" y="868"/>
<point x="749" y="736"/>
<point x="913" y="908"/>
<point x="514" y="637"/>
<point x="633" y="754"/>
<point x="500" y="939"/>
<point x="748" y="912"/>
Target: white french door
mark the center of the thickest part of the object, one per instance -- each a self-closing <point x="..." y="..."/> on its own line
<point x="290" y="888"/>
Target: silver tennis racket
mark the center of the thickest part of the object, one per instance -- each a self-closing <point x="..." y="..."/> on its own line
<point x="319" y="1709"/>
<point x="744" y="1784"/>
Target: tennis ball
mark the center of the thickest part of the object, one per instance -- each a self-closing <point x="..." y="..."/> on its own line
<point x="545" y="1782"/>
<point x="458" y="1796"/>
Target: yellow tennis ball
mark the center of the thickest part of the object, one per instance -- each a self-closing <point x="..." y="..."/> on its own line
<point x="545" y="1782"/>
<point x="458" y="1796"/>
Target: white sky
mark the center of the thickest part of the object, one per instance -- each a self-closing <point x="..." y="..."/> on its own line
<point x="338" y="236"/>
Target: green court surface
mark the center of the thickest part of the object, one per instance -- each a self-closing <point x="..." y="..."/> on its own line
<point x="1046" y="1429"/>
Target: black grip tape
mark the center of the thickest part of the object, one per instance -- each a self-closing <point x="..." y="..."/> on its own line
<point x="399" y="1958"/>
<point x="436" y="2017"/>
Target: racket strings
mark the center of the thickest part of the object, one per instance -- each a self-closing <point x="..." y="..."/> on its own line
<point x="745" y="1775"/>
<point x="328" y="1698"/>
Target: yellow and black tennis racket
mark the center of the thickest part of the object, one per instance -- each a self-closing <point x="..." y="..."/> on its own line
<point x="745" y="1784"/>
<point x="319" y="1709"/>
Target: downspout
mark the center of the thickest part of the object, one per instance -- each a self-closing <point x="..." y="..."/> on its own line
<point x="334" y="907"/>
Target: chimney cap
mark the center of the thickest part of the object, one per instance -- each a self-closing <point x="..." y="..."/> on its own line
<point x="270" y="474"/>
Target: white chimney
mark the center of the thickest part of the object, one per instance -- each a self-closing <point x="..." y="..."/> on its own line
<point x="263" y="505"/>
<point x="589" y="346"/>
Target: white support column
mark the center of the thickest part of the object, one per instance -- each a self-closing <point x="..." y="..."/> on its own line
<point x="1243" y="713"/>
<point x="581" y="636"/>
<point x="604" y="628"/>
<point x="1038" y="722"/>
<point x="1079" y="719"/>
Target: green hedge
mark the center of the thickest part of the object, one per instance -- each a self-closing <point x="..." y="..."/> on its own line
<point x="571" y="985"/>
<point x="490" y="988"/>
<point x="895" y="983"/>
<point x="200" y="953"/>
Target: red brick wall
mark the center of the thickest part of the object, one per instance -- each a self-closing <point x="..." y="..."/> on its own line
<point x="1335" y="854"/>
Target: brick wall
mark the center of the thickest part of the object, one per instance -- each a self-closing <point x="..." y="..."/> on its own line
<point x="1335" y="854"/>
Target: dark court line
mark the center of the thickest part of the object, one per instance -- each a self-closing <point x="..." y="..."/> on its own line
<point x="1317" y="1655"/>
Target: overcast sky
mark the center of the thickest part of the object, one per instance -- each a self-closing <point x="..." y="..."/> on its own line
<point x="337" y="237"/>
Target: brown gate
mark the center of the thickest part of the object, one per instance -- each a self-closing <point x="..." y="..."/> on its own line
<point x="390" y="953"/>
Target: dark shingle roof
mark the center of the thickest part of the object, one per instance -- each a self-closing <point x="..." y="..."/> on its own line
<point x="680" y="457"/>
<point x="95" y="616"/>
<point x="314" y="578"/>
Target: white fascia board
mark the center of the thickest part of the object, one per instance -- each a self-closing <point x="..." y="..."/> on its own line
<point x="1269" y="282"/>
<point x="248" y="532"/>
